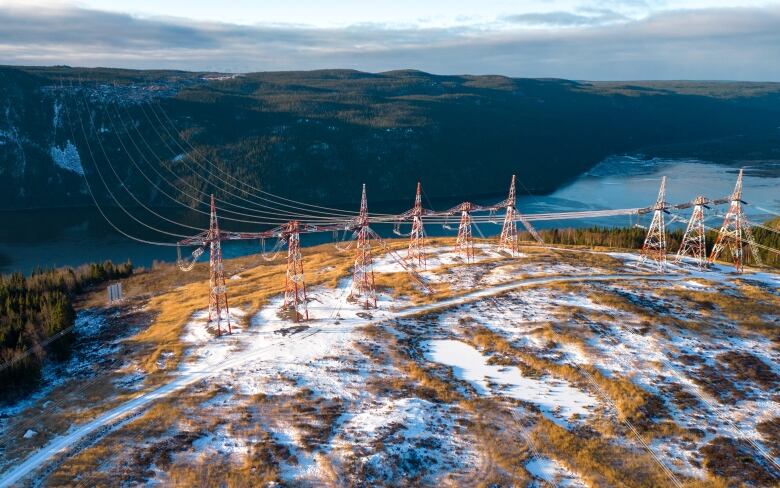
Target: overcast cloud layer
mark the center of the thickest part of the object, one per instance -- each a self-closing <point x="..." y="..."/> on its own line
<point x="729" y="43"/>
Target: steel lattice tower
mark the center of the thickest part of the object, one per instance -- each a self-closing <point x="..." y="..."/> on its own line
<point x="294" y="283"/>
<point x="363" y="274"/>
<point x="654" y="247"/>
<point x="693" y="242"/>
<point x="465" y="244"/>
<point x="218" y="302"/>
<point x="416" y="252"/>
<point x="735" y="232"/>
<point x="508" y="239"/>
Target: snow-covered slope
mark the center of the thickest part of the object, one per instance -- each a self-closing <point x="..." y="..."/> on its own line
<point x="490" y="383"/>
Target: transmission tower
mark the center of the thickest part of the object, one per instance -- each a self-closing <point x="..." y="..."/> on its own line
<point x="654" y="247"/>
<point x="693" y="241"/>
<point x="508" y="239"/>
<point x="735" y="232"/>
<point x="363" y="289"/>
<point x="218" y="302"/>
<point x="465" y="244"/>
<point x="294" y="284"/>
<point x="416" y="252"/>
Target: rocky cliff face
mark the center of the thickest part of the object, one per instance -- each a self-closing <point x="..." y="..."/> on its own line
<point x="316" y="136"/>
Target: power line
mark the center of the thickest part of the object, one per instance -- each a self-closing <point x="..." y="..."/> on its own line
<point x="94" y="199"/>
<point x="270" y="221"/>
<point x="105" y="184"/>
<point x="280" y="211"/>
<point x="317" y="208"/>
<point x="262" y="214"/>
<point x="132" y="195"/>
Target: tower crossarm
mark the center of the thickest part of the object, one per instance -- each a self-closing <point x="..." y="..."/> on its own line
<point x="684" y="205"/>
<point x="467" y="207"/>
<point x="198" y="240"/>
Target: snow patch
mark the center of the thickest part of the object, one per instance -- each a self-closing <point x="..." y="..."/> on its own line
<point x="57" y="117"/>
<point x="553" y="473"/>
<point x="556" y="398"/>
<point x="418" y="437"/>
<point x="67" y="158"/>
<point x="221" y="442"/>
<point x="436" y="257"/>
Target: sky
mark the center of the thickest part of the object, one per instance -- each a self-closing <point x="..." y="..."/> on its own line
<point x="575" y="39"/>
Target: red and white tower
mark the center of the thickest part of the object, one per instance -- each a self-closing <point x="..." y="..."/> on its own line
<point x="654" y="247"/>
<point x="693" y="241"/>
<point x="416" y="252"/>
<point x="508" y="239"/>
<point x="363" y="289"/>
<point x="294" y="283"/>
<point x="465" y="244"/>
<point x="735" y="232"/>
<point x="218" y="302"/>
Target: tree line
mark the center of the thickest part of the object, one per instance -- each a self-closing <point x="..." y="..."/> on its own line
<point x="37" y="316"/>
<point x="634" y="237"/>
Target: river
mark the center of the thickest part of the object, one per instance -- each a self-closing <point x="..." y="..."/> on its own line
<point x="46" y="238"/>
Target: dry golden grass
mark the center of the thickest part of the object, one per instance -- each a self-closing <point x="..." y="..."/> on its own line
<point x="599" y="462"/>
<point x="589" y="259"/>
<point x="84" y="464"/>
<point x="575" y="335"/>
<point x="770" y="432"/>
<point x="168" y="428"/>
<point x="402" y="285"/>
<point x="617" y="302"/>
<point x="144" y="283"/>
<point x="737" y="462"/>
<point x="501" y="441"/>
<point x="751" y="308"/>
<point x="78" y="401"/>
<point x="215" y="471"/>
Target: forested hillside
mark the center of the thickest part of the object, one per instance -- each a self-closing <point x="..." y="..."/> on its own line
<point x="316" y="136"/>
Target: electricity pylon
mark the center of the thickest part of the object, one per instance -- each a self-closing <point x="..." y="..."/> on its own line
<point x="218" y="301"/>
<point x="694" y="242"/>
<point x="465" y="244"/>
<point x="508" y="239"/>
<point x="654" y="247"/>
<point x="294" y="284"/>
<point x="363" y="288"/>
<point x="416" y="252"/>
<point x="735" y="233"/>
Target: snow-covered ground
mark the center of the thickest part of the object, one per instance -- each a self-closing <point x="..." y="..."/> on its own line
<point x="328" y="395"/>
<point x="435" y="258"/>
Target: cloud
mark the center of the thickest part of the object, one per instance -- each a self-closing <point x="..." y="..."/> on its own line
<point x="737" y="43"/>
<point x="566" y="19"/>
